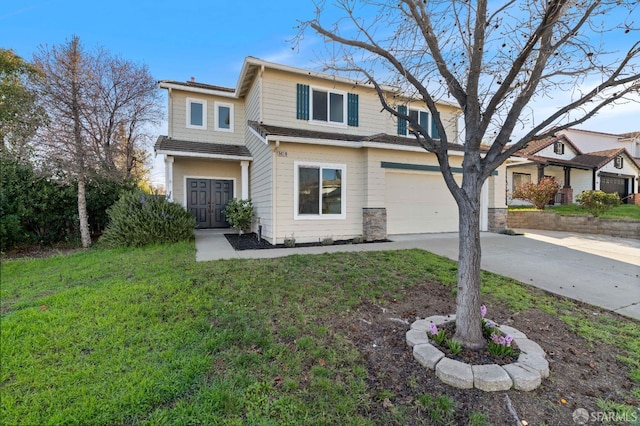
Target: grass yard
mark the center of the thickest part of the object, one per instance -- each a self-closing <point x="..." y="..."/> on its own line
<point x="623" y="211"/>
<point x="148" y="336"/>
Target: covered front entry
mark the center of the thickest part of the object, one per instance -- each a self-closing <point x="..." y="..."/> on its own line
<point x="419" y="202"/>
<point x="206" y="199"/>
<point x="614" y="184"/>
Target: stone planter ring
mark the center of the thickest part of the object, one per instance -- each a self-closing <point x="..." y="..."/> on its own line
<point x="525" y="374"/>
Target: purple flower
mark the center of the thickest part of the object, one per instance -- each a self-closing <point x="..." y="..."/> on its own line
<point x="433" y="329"/>
<point x="508" y="339"/>
<point x="502" y="341"/>
<point x="483" y="310"/>
<point x="489" y="324"/>
<point x="495" y="338"/>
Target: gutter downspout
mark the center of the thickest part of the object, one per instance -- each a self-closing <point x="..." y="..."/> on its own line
<point x="593" y="180"/>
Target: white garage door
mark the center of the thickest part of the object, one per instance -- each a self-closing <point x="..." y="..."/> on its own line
<point x="419" y="202"/>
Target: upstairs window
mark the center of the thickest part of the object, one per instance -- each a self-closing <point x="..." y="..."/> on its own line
<point x="196" y="113"/>
<point x="224" y="117"/>
<point x="328" y="106"/>
<point x="424" y="118"/>
<point x="321" y="105"/>
<point x="558" y="148"/>
<point x="618" y="162"/>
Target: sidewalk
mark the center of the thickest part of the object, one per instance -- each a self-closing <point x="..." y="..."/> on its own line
<point x="599" y="270"/>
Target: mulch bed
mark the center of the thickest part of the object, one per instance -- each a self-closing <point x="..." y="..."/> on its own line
<point x="475" y="356"/>
<point x="582" y="373"/>
<point x="250" y="242"/>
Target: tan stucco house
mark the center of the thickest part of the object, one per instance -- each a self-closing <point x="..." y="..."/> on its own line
<point x="315" y="153"/>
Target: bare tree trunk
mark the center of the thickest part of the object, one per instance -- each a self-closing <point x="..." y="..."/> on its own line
<point x="468" y="318"/>
<point x="85" y="235"/>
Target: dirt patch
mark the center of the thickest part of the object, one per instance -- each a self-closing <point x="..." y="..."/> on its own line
<point x="250" y="242"/>
<point x="581" y="373"/>
<point x="36" y="252"/>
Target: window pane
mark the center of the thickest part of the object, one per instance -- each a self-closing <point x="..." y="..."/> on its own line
<point x="196" y="114"/>
<point x="319" y="105"/>
<point x="424" y="121"/>
<point x="224" y="117"/>
<point x="519" y="179"/>
<point x="414" y="116"/>
<point x="337" y="108"/>
<point x="331" y="191"/>
<point x="308" y="191"/>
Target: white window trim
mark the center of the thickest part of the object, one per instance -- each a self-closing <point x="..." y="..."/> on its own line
<point x="296" y="187"/>
<point x="345" y="113"/>
<point x="217" y="106"/>
<point x="409" y="109"/>
<point x="204" y="113"/>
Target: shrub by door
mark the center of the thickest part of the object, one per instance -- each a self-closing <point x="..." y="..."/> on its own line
<point x="206" y="199"/>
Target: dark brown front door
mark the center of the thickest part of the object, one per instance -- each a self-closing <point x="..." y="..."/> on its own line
<point x="206" y="199"/>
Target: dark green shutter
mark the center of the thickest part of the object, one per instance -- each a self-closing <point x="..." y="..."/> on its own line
<point x="352" y="109"/>
<point x="302" y="102"/>
<point x="402" y="123"/>
<point x="435" y="134"/>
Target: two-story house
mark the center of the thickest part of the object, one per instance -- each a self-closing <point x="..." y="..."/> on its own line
<point x="315" y="153"/>
<point x="570" y="158"/>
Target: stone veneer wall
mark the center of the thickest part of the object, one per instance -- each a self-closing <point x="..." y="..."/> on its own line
<point x="574" y="223"/>
<point x="374" y="224"/>
<point x="497" y="219"/>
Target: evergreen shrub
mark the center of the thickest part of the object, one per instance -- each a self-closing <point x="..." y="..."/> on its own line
<point x="138" y="219"/>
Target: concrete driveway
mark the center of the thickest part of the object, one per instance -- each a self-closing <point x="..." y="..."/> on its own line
<point x="599" y="270"/>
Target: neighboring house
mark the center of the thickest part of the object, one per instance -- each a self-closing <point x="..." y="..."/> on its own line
<point x="315" y="153"/>
<point x="589" y="141"/>
<point x="576" y="166"/>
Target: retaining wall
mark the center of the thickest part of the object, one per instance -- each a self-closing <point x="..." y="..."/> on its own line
<point x="573" y="223"/>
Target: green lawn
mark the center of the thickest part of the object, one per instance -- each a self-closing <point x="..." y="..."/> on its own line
<point x="148" y="336"/>
<point x="623" y="211"/>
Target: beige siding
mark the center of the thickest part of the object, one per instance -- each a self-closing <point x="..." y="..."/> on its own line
<point x="260" y="171"/>
<point x="178" y="117"/>
<point x="184" y="168"/>
<point x="260" y="185"/>
<point x="313" y="230"/>
<point x="497" y="189"/>
<point x="279" y="100"/>
<point x="252" y="101"/>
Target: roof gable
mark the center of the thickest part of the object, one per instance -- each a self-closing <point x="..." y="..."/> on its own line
<point x="534" y="147"/>
<point x="599" y="159"/>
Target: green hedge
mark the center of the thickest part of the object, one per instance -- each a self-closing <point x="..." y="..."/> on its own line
<point x="38" y="208"/>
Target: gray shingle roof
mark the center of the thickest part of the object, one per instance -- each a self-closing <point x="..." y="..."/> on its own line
<point x="382" y="138"/>
<point x="198" y="85"/>
<point x="165" y="143"/>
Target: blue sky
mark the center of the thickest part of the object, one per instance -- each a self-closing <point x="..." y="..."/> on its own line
<point x="206" y="39"/>
<point x="200" y="38"/>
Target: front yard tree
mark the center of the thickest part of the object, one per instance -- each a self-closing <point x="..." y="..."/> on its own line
<point x="20" y="115"/>
<point x="99" y="107"/>
<point x="494" y="59"/>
